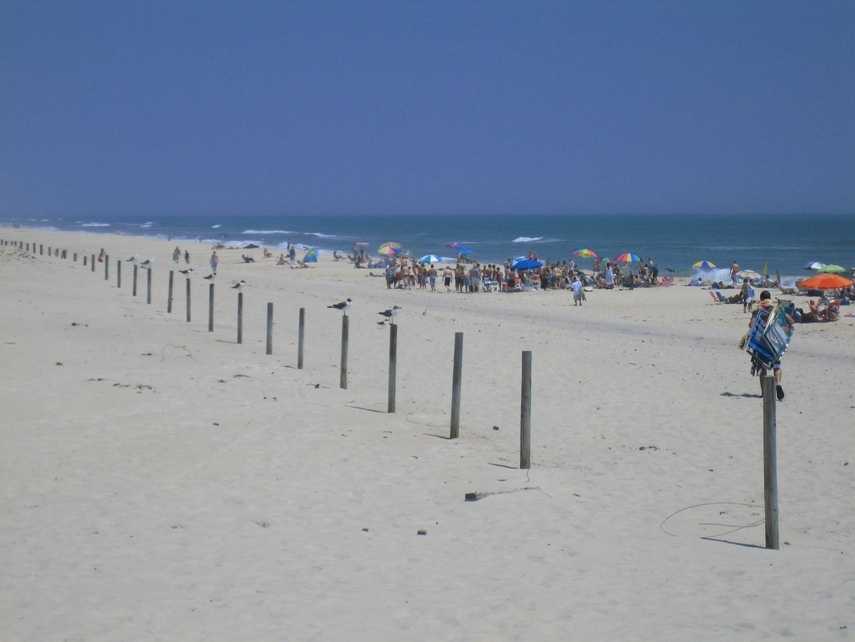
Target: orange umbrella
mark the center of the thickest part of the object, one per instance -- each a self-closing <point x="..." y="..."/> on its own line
<point x="825" y="282"/>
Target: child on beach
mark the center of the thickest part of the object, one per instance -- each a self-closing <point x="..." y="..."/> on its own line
<point x="576" y="286"/>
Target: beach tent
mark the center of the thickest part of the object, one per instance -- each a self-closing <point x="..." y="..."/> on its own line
<point x="719" y="275"/>
<point x="311" y="256"/>
<point x="524" y="263"/>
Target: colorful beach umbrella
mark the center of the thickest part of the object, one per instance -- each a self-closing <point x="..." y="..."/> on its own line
<point x="831" y="268"/>
<point x="461" y="248"/>
<point x="429" y="258"/>
<point x="586" y="253"/>
<point x="390" y="248"/>
<point x="703" y="265"/>
<point x="751" y="275"/>
<point x="626" y="257"/>
<point x="825" y="282"/>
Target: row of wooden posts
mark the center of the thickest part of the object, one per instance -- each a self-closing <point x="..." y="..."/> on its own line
<point x="770" y="471"/>
<point x="457" y="367"/>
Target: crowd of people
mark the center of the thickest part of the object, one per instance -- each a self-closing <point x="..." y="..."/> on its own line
<point x="404" y="272"/>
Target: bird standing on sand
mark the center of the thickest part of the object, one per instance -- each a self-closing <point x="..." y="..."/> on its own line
<point x="145" y="263"/>
<point x="237" y="284"/>
<point x="131" y="260"/>
<point x="187" y="271"/>
<point x="209" y="277"/>
<point x="344" y="306"/>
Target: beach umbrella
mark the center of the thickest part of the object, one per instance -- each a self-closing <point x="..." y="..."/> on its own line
<point x="751" y="275"/>
<point x="703" y="265"/>
<point x="831" y="268"/>
<point x="825" y="282"/>
<point x="626" y="257"/>
<point x="460" y="247"/>
<point x="390" y="248"/>
<point x="524" y="263"/>
<point x="815" y="265"/>
<point x="429" y="258"/>
<point x="586" y="253"/>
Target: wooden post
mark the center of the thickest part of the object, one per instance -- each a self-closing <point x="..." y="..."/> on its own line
<point x="41" y="248"/>
<point x="75" y="257"/>
<point x="240" y="318"/>
<point x="49" y="251"/>
<point x="148" y="286"/>
<point x="134" y="282"/>
<point x="92" y="262"/>
<point x="119" y="274"/>
<point x="269" y="349"/>
<point x="301" y="333"/>
<point x="85" y="259"/>
<point x="188" y="300"/>
<point x="210" y="307"/>
<point x="345" y="323"/>
<point x="106" y="267"/>
<point x="393" y="366"/>
<point x="525" y="411"/>
<point x="770" y="463"/>
<point x="169" y="294"/>
<point x="456" y="380"/>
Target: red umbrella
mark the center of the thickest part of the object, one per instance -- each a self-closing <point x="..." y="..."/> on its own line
<point x="825" y="282"/>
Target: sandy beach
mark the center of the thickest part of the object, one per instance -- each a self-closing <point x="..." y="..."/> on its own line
<point x="162" y="482"/>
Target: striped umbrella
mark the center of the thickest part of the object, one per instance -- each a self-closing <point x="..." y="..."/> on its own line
<point x="586" y="253"/>
<point x="703" y="265"/>
<point x="389" y="248"/>
<point x="626" y="257"/>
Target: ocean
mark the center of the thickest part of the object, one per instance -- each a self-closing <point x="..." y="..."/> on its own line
<point x="783" y="242"/>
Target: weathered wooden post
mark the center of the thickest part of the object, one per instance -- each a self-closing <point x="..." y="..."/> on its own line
<point x="210" y="307"/>
<point x="393" y="366"/>
<point x="49" y="251"/>
<point x="240" y="317"/>
<point x="119" y="274"/>
<point x="148" y="286"/>
<point x="770" y="463"/>
<point x="85" y="259"/>
<point x="456" y="379"/>
<point x="134" y="283"/>
<point x="106" y="267"/>
<point x="525" y="411"/>
<point x="301" y="333"/>
<point x="169" y="293"/>
<point x="188" y="299"/>
<point x="41" y="249"/>
<point x="345" y="328"/>
<point x="75" y="257"/>
<point x="269" y="349"/>
<point x="92" y="262"/>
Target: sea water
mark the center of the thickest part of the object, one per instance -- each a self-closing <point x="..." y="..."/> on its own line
<point x="784" y="243"/>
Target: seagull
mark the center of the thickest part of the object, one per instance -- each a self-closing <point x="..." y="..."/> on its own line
<point x="131" y="260"/>
<point x="146" y="262"/>
<point x="237" y="284"/>
<point x="187" y="271"/>
<point x="391" y="312"/>
<point x="210" y="276"/>
<point x="341" y="305"/>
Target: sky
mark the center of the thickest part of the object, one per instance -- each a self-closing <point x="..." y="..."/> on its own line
<point x="342" y="107"/>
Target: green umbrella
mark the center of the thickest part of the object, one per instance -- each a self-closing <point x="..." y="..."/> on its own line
<point x="831" y="268"/>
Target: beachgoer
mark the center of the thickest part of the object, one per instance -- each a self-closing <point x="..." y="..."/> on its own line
<point x="610" y="276"/>
<point x="187" y="257"/>
<point x="446" y="278"/>
<point x="743" y="293"/>
<point x="576" y="286"/>
<point x="215" y="261"/>
<point x="432" y="278"/>
<point x="176" y="254"/>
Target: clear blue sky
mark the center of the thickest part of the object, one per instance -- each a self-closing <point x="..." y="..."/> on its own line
<point x="429" y="107"/>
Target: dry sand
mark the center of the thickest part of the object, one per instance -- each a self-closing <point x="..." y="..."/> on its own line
<point x="161" y="482"/>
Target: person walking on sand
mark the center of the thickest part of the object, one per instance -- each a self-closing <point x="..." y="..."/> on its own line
<point x="187" y="257"/>
<point x="215" y="261"/>
<point x="576" y="286"/>
<point x="176" y="255"/>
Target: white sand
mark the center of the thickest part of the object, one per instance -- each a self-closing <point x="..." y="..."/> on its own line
<point x="275" y="506"/>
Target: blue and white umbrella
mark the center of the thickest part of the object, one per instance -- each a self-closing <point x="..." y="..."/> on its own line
<point x="430" y="258"/>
